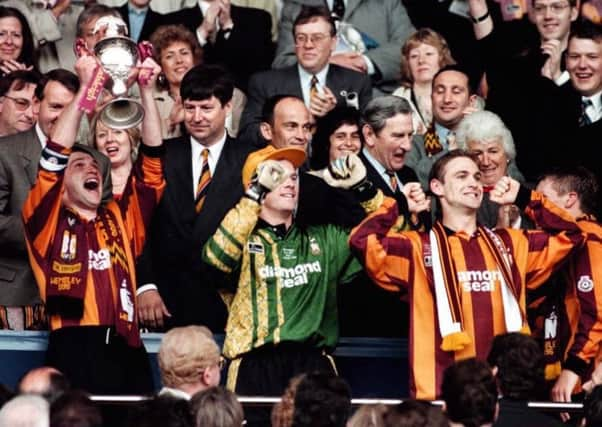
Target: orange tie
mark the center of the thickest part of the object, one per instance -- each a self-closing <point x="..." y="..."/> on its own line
<point x="313" y="88"/>
<point x="392" y="180"/>
<point x="204" y="181"/>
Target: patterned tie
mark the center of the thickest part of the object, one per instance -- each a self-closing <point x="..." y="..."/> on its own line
<point x="392" y="180"/>
<point x="338" y="9"/>
<point x="313" y="87"/>
<point x="584" y="120"/>
<point x="204" y="181"/>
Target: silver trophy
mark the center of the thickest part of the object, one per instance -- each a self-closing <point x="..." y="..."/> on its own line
<point x="118" y="54"/>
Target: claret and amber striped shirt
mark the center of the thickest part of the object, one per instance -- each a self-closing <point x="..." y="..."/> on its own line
<point x="395" y="261"/>
<point x="50" y="229"/>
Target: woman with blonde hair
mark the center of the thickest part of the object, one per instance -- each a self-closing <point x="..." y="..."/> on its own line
<point x="423" y="54"/>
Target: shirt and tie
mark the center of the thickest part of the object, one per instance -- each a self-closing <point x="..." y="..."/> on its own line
<point x="310" y="83"/>
<point x="591" y="109"/>
<point x="204" y="162"/>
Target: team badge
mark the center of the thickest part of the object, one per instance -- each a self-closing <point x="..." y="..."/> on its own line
<point x="314" y="247"/>
<point x="585" y="284"/>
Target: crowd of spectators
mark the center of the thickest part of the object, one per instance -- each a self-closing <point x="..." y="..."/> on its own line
<point x="303" y="169"/>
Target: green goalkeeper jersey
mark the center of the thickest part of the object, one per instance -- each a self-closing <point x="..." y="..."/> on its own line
<point x="287" y="283"/>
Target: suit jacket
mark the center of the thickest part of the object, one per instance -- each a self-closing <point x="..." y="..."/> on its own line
<point x="287" y="82"/>
<point x="385" y="21"/>
<point x="247" y="50"/>
<point x="19" y="157"/>
<point x="389" y="314"/>
<point x="172" y="256"/>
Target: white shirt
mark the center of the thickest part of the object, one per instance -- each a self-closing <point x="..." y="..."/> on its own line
<point x="305" y="79"/>
<point x="381" y="170"/>
<point x="197" y="158"/>
<point x="41" y="136"/>
<point x="594" y="111"/>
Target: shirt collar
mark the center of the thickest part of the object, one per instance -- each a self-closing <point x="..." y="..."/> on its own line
<point x="174" y="392"/>
<point x="215" y="150"/>
<point x="378" y="166"/>
<point x="137" y="10"/>
<point x="596" y="100"/>
<point x="306" y="76"/>
<point x="41" y="136"/>
<point x="442" y="132"/>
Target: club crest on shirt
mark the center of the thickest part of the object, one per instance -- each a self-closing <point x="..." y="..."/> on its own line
<point x="585" y="284"/>
<point x="255" y="248"/>
<point x="314" y="247"/>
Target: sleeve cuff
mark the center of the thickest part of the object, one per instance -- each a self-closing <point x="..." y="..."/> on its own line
<point x="154" y="151"/>
<point x="147" y="287"/>
<point x="200" y="38"/>
<point x="523" y="197"/>
<point x="369" y="65"/>
<point x="577" y="365"/>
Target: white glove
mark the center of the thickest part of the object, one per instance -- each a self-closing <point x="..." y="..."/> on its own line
<point x="345" y="172"/>
<point x="268" y="176"/>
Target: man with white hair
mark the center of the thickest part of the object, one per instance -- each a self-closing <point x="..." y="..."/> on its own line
<point x="189" y="361"/>
<point x="26" y="410"/>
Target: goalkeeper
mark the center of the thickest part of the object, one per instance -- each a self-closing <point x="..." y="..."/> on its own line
<point x="283" y="308"/>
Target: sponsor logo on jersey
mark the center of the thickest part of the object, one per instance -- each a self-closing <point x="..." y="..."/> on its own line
<point x="479" y="280"/>
<point x="100" y="260"/>
<point x="292" y="276"/>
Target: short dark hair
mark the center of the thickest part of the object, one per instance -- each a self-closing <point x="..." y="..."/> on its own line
<point x="459" y="68"/>
<point x="269" y="106"/>
<point x="592" y="407"/>
<point x="520" y="365"/>
<point x="438" y="168"/>
<point x="325" y="127"/>
<point x="323" y="399"/>
<point x="414" y="413"/>
<point x="313" y="13"/>
<point x="28" y="55"/>
<point x="75" y="408"/>
<point x="206" y="80"/>
<point x="578" y="179"/>
<point x="586" y="29"/>
<point x="19" y="79"/>
<point x="66" y="78"/>
<point x="470" y="393"/>
<point x="161" y="411"/>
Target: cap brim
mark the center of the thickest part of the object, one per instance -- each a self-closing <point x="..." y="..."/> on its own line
<point x="296" y="156"/>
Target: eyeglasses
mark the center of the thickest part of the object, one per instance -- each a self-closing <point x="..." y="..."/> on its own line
<point x="317" y="38"/>
<point x="22" y="104"/>
<point x="555" y="8"/>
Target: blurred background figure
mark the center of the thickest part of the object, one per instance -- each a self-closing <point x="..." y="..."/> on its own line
<point x="422" y="55"/>
<point x="26" y="410"/>
<point x="16" y="42"/>
<point x="44" y="381"/>
<point x="177" y="50"/>
<point x="216" y="407"/>
<point x="75" y="409"/>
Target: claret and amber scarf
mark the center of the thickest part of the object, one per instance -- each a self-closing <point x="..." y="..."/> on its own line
<point x="447" y="290"/>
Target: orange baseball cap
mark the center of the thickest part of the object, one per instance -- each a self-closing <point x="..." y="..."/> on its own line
<point x="294" y="155"/>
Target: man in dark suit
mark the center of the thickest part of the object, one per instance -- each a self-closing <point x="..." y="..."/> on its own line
<point x="203" y="174"/>
<point x="387" y="132"/>
<point x="321" y="85"/>
<point x="20" y="303"/>
<point x="583" y="94"/>
<point x="239" y="38"/>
